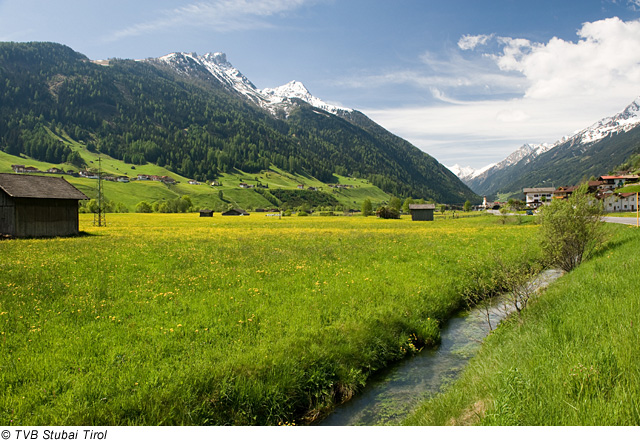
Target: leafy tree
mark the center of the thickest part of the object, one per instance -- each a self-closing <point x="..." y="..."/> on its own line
<point x="571" y="229"/>
<point x="467" y="206"/>
<point x="144" y="207"/>
<point x="405" y="205"/>
<point x="395" y="203"/>
<point x="76" y="160"/>
<point x="388" y="212"/>
<point x="367" y="208"/>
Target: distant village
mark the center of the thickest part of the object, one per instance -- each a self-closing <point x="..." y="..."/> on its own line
<point x="603" y="189"/>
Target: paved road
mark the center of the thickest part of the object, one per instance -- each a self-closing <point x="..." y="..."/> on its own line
<point x="621" y="220"/>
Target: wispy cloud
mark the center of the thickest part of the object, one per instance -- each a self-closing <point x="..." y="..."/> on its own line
<point x="557" y="87"/>
<point x="217" y="15"/>
<point x="471" y="41"/>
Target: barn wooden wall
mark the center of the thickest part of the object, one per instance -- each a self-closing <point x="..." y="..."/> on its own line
<point x="45" y="217"/>
<point x="7" y="214"/>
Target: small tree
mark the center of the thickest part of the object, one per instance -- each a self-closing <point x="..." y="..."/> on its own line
<point x="367" y="208"/>
<point x="144" y="207"/>
<point x="571" y="230"/>
<point x="467" y="206"/>
<point x="405" y="205"/>
<point x="395" y="203"/>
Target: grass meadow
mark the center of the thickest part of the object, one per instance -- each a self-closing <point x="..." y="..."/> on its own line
<point x="162" y="319"/>
<point x="572" y="360"/>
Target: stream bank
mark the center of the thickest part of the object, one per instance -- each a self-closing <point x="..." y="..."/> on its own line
<point x="393" y="393"/>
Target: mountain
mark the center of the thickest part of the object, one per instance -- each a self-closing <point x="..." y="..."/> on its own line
<point x="465" y="173"/>
<point x="274" y="100"/>
<point x="593" y="151"/>
<point x="198" y="116"/>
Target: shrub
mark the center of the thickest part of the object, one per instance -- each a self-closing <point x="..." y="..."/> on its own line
<point x="571" y="230"/>
<point x="143" y="207"/>
<point x="388" y="212"/>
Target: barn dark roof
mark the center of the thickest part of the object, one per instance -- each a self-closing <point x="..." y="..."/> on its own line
<point x="35" y="186"/>
<point x="423" y="206"/>
<point x="235" y="211"/>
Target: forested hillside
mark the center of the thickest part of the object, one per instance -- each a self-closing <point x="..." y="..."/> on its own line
<point x="139" y="113"/>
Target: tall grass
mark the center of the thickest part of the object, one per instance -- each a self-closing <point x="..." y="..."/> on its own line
<point x="174" y="319"/>
<point x="572" y="360"/>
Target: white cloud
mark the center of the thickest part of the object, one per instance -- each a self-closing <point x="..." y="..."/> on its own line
<point x="604" y="60"/>
<point x="557" y="87"/>
<point x="218" y="15"/>
<point x="467" y="42"/>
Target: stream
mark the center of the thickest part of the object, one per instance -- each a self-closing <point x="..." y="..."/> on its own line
<point x="392" y="394"/>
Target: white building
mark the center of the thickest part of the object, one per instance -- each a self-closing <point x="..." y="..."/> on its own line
<point x="536" y="197"/>
<point x="620" y="202"/>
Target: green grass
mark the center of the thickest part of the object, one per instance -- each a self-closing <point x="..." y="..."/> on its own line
<point x="571" y="361"/>
<point x="176" y="319"/>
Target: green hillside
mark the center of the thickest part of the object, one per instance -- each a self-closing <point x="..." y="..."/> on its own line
<point x="56" y="104"/>
<point x="202" y="196"/>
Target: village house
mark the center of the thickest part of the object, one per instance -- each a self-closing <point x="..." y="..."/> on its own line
<point x="245" y="186"/>
<point x="616" y="181"/>
<point x="625" y="201"/>
<point x="36" y="206"/>
<point x="536" y="197"/>
<point x="194" y="182"/>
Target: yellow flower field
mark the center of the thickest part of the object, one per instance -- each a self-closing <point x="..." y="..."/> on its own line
<point x="176" y="319"/>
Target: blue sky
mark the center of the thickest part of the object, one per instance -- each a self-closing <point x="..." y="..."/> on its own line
<point x="467" y="81"/>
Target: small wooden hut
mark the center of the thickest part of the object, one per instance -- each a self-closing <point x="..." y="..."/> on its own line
<point x="35" y="206"/>
<point x="206" y="213"/>
<point x="235" y="211"/>
<point x="422" y="212"/>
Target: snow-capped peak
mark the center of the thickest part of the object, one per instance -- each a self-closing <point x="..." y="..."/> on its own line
<point x="272" y="99"/>
<point x="467" y="172"/>
<point x="295" y="89"/>
<point x="622" y="122"/>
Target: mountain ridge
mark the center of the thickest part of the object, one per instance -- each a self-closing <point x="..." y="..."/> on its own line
<point x="181" y="116"/>
<point x="577" y="156"/>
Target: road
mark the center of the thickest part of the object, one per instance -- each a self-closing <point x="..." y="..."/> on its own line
<point x="621" y="220"/>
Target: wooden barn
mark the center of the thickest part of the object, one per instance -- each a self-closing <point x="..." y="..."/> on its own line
<point x="235" y="211"/>
<point x="35" y="206"/>
<point x="206" y="213"/>
<point x="422" y="212"/>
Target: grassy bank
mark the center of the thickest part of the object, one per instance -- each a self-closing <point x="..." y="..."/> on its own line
<point x="572" y="360"/>
<point x="175" y="319"/>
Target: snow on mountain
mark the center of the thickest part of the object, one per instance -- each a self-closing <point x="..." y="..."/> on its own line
<point x="295" y="89"/>
<point x="621" y="122"/>
<point x="624" y="121"/>
<point x="467" y="172"/>
<point x="578" y="143"/>
<point x="272" y="99"/>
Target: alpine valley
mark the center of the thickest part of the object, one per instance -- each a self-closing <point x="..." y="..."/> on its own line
<point x="197" y="117"/>
<point x="591" y="152"/>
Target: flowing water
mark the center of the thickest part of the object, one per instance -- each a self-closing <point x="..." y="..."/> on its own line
<point x="392" y="394"/>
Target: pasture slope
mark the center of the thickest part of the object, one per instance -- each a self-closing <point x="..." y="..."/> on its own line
<point x="571" y="361"/>
<point x="174" y="319"/>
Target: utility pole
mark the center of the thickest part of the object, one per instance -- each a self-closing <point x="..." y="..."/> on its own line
<point x="99" y="218"/>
